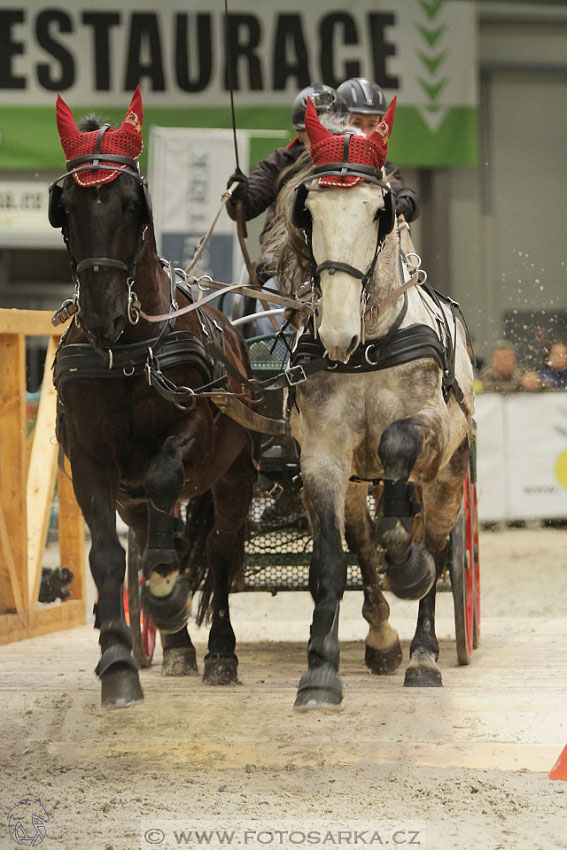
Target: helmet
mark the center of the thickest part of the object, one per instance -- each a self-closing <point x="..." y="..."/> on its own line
<point x="361" y="95"/>
<point x="325" y="99"/>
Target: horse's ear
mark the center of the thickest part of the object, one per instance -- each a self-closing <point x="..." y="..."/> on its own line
<point x="134" y="114"/>
<point x="314" y="128"/>
<point x="381" y="134"/>
<point x="65" y="121"/>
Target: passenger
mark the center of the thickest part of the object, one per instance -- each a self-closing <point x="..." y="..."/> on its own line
<point x="366" y="105"/>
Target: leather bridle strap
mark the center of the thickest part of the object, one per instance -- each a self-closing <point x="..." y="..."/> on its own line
<point x="336" y="266"/>
<point x="95" y="262"/>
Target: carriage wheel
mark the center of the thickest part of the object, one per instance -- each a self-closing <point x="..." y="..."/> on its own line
<point x="142" y="628"/>
<point x="461" y="571"/>
<point x="472" y="545"/>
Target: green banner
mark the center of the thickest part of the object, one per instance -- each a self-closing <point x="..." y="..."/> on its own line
<point x="184" y="53"/>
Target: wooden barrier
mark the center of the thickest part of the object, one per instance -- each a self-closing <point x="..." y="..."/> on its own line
<point x="27" y="482"/>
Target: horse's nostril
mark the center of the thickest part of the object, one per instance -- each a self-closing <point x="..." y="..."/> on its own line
<point x="353" y="344"/>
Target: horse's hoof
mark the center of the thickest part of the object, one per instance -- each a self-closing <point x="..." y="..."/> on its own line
<point x="220" y="670"/>
<point x="319" y="687"/>
<point x="179" y="661"/>
<point x="169" y="613"/>
<point x="414" y="578"/>
<point x="422" y="671"/>
<point x="383" y="661"/>
<point x="120" y="687"/>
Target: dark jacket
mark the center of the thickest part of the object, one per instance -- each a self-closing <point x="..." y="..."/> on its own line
<point x="264" y="184"/>
<point x="406" y="199"/>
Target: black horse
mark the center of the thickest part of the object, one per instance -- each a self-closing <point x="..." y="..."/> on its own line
<point x="136" y="418"/>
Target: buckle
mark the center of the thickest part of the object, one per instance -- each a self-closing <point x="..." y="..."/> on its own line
<point x="295" y="375"/>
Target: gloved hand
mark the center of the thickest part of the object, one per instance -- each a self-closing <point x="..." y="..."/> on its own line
<point x="405" y="207"/>
<point x="242" y="189"/>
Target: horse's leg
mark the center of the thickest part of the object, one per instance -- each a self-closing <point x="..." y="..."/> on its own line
<point x="166" y="596"/>
<point x="407" y="445"/>
<point x="442" y="503"/>
<point x="94" y="487"/>
<point x="383" y="651"/>
<point x="324" y="487"/>
<point x="225" y="552"/>
<point x="179" y="657"/>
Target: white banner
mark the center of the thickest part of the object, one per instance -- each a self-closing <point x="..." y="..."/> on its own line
<point x="23" y="215"/>
<point x="491" y="459"/>
<point x="522" y="456"/>
<point x="188" y="173"/>
<point x="183" y="52"/>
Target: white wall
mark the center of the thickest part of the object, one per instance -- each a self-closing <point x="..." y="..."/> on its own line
<point x="507" y="229"/>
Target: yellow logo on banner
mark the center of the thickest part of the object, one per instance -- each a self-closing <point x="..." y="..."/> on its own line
<point x="561" y="469"/>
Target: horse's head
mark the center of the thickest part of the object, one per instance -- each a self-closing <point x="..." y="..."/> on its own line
<point x="350" y="212"/>
<point x="102" y="205"/>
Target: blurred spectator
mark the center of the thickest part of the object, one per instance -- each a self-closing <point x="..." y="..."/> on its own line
<point x="554" y="375"/>
<point x="503" y="375"/>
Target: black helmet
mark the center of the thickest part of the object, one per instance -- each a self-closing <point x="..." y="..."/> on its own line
<point x="361" y="95"/>
<point x="325" y="99"/>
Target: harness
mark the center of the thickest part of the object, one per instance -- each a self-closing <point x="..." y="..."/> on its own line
<point x="395" y="348"/>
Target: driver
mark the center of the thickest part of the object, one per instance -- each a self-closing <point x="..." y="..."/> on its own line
<point x="259" y="191"/>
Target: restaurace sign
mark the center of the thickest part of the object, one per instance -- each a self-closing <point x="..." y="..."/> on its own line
<point x="186" y="54"/>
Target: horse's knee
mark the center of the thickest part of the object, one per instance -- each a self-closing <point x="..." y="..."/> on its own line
<point x="399" y="448"/>
<point x="165" y="475"/>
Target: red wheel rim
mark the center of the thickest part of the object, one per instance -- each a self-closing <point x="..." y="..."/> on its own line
<point x="476" y="564"/>
<point x="146" y="626"/>
<point x="469" y="496"/>
<point x="148" y="636"/>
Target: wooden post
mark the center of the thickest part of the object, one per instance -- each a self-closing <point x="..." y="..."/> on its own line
<point x="41" y="477"/>
<point x="71" y="533"/>
<point x="13" y="532"/>
<point x="25" y="500"/>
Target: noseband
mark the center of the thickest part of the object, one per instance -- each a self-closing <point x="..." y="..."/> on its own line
<point x="57" y="216"/>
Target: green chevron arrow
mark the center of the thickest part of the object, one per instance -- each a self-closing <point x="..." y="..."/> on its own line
<point x="432" y="62"/>
<point x="431" y="8"/>
<point x="431" y="36"/>
<point x="432" y="90"/>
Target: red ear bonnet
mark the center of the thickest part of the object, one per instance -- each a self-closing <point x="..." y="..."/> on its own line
<point x="315" y="130"/>
<point x="127" y="141"/>
<point x="327" y="148"/>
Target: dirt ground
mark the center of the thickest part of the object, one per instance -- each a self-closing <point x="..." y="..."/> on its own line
<point x="458" y="767"/>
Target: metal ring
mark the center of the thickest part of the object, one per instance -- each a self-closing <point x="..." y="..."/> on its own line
<point x="128" y="373"/>
<point x="368" y="349"/>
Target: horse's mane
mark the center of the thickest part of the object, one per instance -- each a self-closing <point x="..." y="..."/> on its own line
<point x="90" y="122"/>
<point x="284" y="243"/>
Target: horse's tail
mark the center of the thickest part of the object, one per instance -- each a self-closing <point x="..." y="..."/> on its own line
<point x="199" y="522"/>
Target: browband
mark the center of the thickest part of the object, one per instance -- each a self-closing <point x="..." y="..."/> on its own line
<point x="346" y="169"/>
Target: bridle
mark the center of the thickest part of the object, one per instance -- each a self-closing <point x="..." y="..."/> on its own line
<point x="58" y="218"/>
<point x="386" y="219"/>
<point x="385" y="215"/>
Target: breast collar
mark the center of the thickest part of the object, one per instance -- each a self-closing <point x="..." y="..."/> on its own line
<point x="396" y="347"/>
<point x="150" y="356"/>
